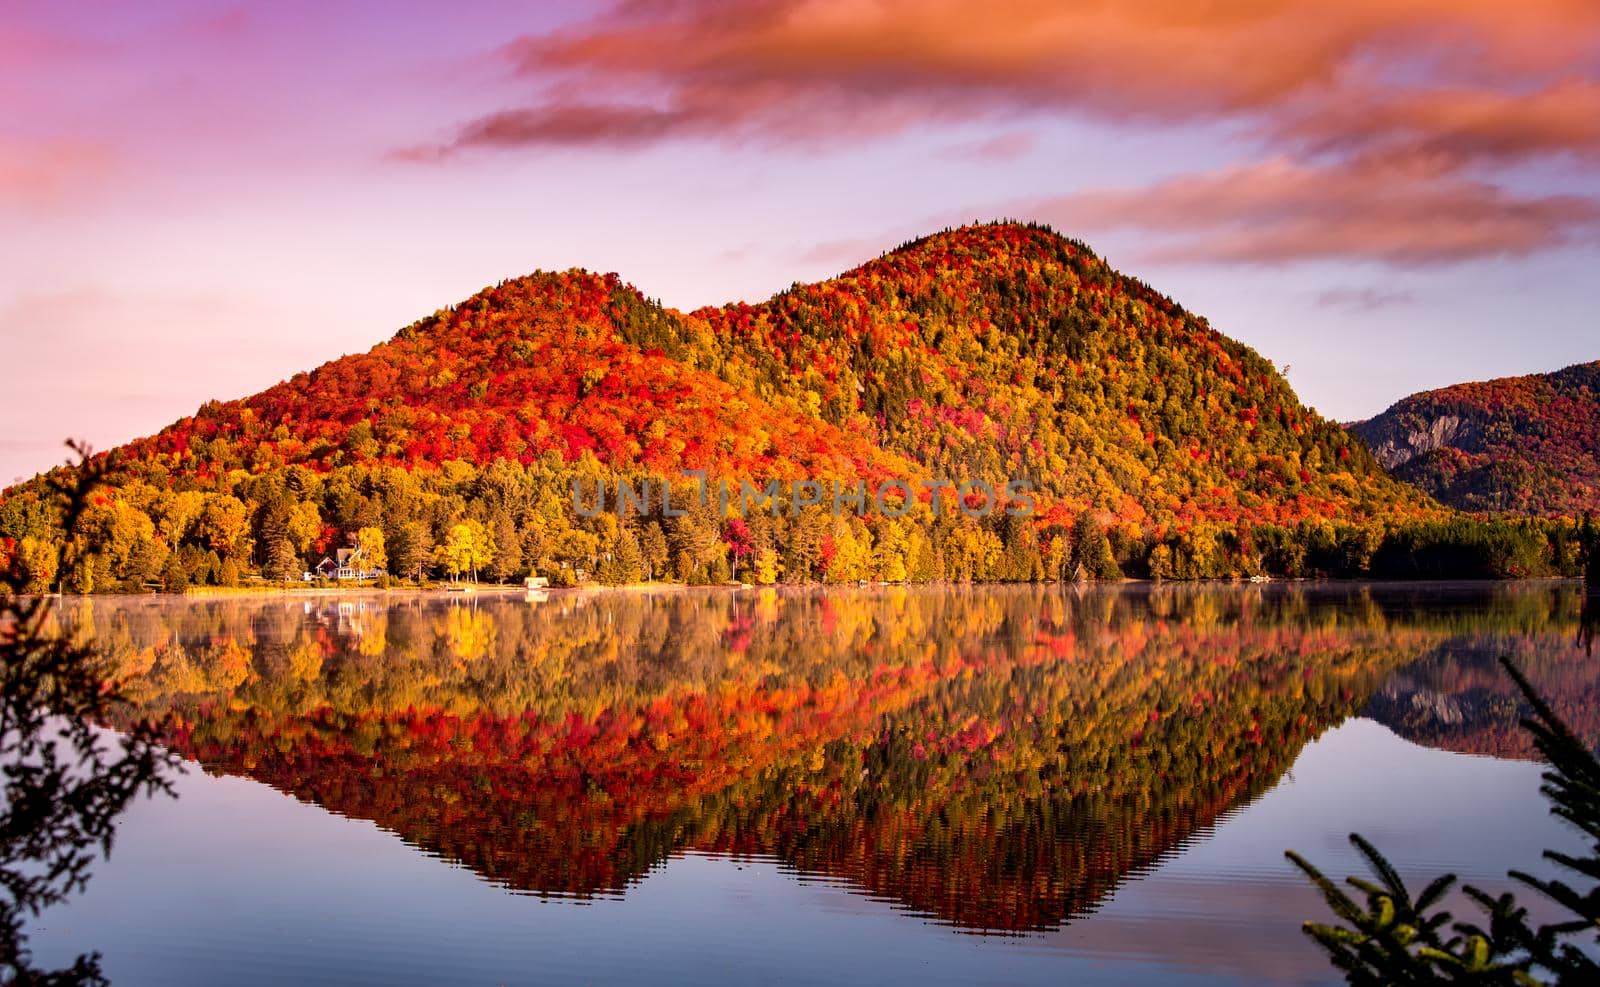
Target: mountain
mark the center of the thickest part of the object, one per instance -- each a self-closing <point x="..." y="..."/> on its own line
<point x="991" y="351"/>
<point x="1153" y="443"/>
<point x="546" y="363"/>
<point x="1007" y="349"/>
<point x="1525" y="444"/>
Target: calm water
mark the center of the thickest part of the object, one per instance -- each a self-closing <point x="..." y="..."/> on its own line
<point x="1007" y="785"/>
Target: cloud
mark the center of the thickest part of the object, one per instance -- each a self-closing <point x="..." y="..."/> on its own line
<point x="1382" y="129"/>
<point x="763" y="69"/>
<point x="47" y="172"/>
<point x="1401" y="210"/>
<point x="1002" y="147"/>
<point x="1362" y="299"/>
<point x="1458" y="124"/>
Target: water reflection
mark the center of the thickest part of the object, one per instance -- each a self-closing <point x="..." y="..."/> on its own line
<point x="995" y="759"/>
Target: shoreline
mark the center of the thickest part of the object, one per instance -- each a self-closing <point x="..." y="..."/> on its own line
<point x="507" y="590"/>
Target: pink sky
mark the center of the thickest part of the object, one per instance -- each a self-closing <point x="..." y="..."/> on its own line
<point x="197" y="200"/>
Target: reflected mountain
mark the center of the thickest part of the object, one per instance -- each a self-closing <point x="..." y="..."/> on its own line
<point x="997" y="759"/>
<point x="1457" y="698"/>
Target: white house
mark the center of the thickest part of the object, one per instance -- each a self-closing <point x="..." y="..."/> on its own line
<point x="347" y="563"/>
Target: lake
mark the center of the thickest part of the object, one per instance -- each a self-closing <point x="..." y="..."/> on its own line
<point x="919" y="784"/>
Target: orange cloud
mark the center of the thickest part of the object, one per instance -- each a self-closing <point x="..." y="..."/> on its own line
<point x="1401" y="210"/>
<point x="1331" y="88"/>
<point x="1460" y="123"/>
<point x="661" y="68"/>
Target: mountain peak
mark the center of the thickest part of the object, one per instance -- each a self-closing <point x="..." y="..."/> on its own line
<point x="996" y="238"/>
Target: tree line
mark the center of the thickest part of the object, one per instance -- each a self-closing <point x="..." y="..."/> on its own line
<point x="505" y="521"/>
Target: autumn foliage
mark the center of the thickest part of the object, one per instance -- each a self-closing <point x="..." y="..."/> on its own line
<point x="999" y="759"/>
<point x="1155" y="446"/>
<point x="1525" y="444"/>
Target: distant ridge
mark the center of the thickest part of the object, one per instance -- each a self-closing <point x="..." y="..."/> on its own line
<point x="1527" y="444"/>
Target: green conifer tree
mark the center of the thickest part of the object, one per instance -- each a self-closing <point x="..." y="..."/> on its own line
<point x="1386" y="935"/>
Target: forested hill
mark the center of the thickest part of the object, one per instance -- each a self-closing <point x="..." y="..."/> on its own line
<point x="539" y="365"/>
<point x="1525" y="444"/>
<point x="993" y="353"/>
<point x="1009" y="350"/>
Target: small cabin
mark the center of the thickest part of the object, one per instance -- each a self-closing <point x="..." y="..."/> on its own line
<point x="347" y="564"/>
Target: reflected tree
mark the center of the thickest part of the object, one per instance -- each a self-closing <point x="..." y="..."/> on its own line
<point x="1589" y="620"/>
<point x="66" y="780"/>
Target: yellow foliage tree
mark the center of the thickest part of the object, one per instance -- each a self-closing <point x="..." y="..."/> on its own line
<point x="370" y="541"/>
<point x="468" y="547"/>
